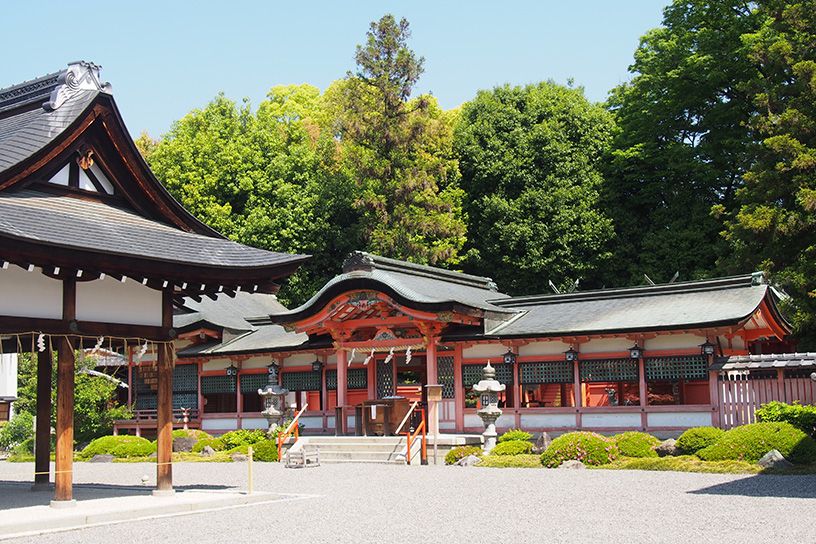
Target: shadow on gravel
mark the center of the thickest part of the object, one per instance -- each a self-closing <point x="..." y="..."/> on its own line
<point x="762" y="485"/>
<point x="16" y="494"/>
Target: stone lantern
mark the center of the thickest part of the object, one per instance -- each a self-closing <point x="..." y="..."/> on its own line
<point x="488" y="389"/>
<point x="274" y="397"/>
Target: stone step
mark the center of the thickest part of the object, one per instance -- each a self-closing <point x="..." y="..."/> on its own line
<point x="363" y="461"/>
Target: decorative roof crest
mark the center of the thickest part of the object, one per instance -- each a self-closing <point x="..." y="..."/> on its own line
<point x="79" y="76"/>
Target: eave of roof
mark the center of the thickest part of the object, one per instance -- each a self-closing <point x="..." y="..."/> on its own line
<point x="766" y="361"/>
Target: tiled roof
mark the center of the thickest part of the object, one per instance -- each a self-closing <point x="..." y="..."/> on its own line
<point x="36" y="90"/>
<point x="98" y="226"/>
<point x="780" y="360"/>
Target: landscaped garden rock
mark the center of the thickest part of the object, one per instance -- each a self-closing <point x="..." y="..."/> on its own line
<point x="572" y="464"/>
<point x="101" y="458"/>
<point x="667" y="448"/>
<point x="207" y="452"/>
<point x="468" y="461"/>
<point x="184" y="444"/>
<point x="239" y="457"/>
<point x="774" y="459"/>
<point x="541" y="443"/>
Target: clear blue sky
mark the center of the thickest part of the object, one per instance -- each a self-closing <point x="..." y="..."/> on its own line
<point x="166" y="58"/>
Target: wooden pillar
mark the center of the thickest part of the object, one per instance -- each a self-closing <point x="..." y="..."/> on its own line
<point x="714" y="397"/>
<point x="63" y="475"/>
<point x="42" y="444"/>
<point x="432" y="376"/>
<point x="458" y="389"/>
<point x="643" y="392"/>
<point x="164" y="393"/>
<point x="516" y="390"/>
<point x="579" y="397"/>
<point x="342" y="388"/>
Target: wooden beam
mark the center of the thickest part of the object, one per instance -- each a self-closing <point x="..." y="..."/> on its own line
<point x="63" y="477"/>
<point x="42" y="444"/>
<point x="13" y="324"/>
<point x="164" y="393"/>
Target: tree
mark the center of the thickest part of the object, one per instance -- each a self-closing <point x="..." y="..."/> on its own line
<point x="529" y="158"/>
<point x="683" y="144"/>
<point x="399" y="151"/>
<point x="774" y="227"/>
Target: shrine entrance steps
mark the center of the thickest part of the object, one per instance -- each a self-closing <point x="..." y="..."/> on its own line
<point x="380" y="449"/>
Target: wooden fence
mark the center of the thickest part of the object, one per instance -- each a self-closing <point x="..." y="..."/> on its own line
<point x="743" y="392"/>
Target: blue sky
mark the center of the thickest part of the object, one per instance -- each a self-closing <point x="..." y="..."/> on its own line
<point x="166" y="58"/>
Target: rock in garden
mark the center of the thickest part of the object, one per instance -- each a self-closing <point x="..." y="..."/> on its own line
<point x="207" y="451"/>
<point x="667" y="448"/>
<point x="468" y="461"/>
<point x="774" y="459"/>
<point x="541" y="443"/>
<point x="239" y="457"/>
<point x="573" y="464"/>
<point x="101" y="458"/>
<point x="184" y="444"/>
<point x="153" y="455"/>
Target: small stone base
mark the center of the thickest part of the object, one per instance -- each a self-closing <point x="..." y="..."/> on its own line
<point x="63" y="504"/>
<point x="164" y="492"/>
<point x="42" y="486"/>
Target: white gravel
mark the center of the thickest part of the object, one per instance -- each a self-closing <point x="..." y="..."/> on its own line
<point x="398" y="504"/>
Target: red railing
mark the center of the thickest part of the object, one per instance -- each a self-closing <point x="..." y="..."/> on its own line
<point x="292" y="428"/>
<point x="411" y="436"/>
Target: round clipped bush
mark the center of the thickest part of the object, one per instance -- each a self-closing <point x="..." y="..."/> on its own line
<point x="460" y="452"/>
<point x="751" y="442"/>
<point x="191" y="433"/>
<point x="589" y="448"/>
<point x="515" y="434"/>
<point x="266" y="451"/>
<point x="242" y="437"/>
<point x="215" y="443"/>
<point x="512" y="447"/>
<point x="636" y="444"/>
<point x="697" y="438"/>
<point x="119" y="446"/>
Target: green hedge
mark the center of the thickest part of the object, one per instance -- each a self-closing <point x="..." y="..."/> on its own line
<point x="191" y="433"/>
<point x="589" y="448"/>
<point x="512" y="447"/>
<point x="242" y="437"/>
<point x="266" y="451"/>
<point x="698" y="438"/>
<point x="215" y="443"/>
<point x="751" y="442"/>
<point x="460" y="452"/>
<point x="636" y="444"/>
<point x="515" y="434"/>
<point x="802" y="417"/>
<point x="119" y="446"/>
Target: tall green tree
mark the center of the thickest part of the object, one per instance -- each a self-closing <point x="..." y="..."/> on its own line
<point x="529" y="158"/>
<point x="399" y="150"/>
<point x="774" y="227"/>
<point x="684" y="142"/>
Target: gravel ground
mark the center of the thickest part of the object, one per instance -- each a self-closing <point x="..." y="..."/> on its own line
<point x="398" y="504"/>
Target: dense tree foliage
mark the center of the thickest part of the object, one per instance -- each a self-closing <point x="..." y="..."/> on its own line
<point x="529" y="159"/>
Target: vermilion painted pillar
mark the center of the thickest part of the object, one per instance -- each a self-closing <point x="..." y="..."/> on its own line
<point x="579" y="397"/>
<point x="342" y="389"/>
<point x="458" y="389"/>
<point x="643" y="392"/>
<point x="516" y="391"/>
<point x="164" y="394"/>
<point x="42" y="444"/>
<point x="432" y="375"/>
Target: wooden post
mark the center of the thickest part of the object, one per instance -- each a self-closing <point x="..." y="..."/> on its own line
<point x="516" y="391"/>
<point x="643" y="393"/>
<point x="579" y="398"/>
<point x="458" y="389"/>
<point x="432" y="376"/>
<point x="342" y="388"/>
<point x="42" y="444"/>
<point x="164" y="416"/>
<point x="63" y="476"/>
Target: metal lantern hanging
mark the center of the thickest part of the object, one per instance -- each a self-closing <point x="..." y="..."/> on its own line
<point x="272" y="372"/>
<point x="509" y="358"/>
<point x="232" y="371"/>
<point x="707" y="348"/>
<point x="571" y="355"/>
<point x="635" y="352"/>
<point x="317" y="365"/>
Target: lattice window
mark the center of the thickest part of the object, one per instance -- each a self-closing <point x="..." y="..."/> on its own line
<point x="445" y="373"/>
<point x="147" y="401"/>
<point x="250" y="383"/>
<point x="217" y="384"/>
<point x="301" y="381"/>
<point x="609" y="370"/>
<point x="691" y="367"/>
<point x="471" y="374"/>
<point x="356" y="378"/>
<point x="185" y="400"/>
<point x="385" y="380"/>
<point x="185" y="379"/>
<point x="546" y="372"/>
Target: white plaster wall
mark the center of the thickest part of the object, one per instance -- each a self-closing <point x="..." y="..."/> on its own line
<point x="311" y="422"/>
<point x="258" y="362"/>
<point x="601" y="345"/>
<point x="299" y="359"/>
<point x="610" y="420"/>
<point x="29" y="294"/>
<point x="219" y="424"/>
<point x="680" y="419"/>
<point x="332" y="359"/>
<point x="447" y="425"/>
<point x="330" y="422"/>
<point x="254" y="423"/>
<point x="111" y="301"/>
<point x="216" y="364"/>
<point x="534" y="421"/>
<point x="472" y="420"/>
<point x="543" y="348"/>
<point x="673" y="341"/>
<point x="484" y="350"/>
<point x="8" y="375"/>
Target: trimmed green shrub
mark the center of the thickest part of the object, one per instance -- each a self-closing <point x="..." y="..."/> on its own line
<point x="16" y="431"/>
<point x="119" y="446"/>
<point x="801" y="416"/>
<point x="512" y="447"/>
<point x="511" y="461"/>
<point x="191" y="433"/>
<point x="266" y="451"/>
<point x="636" y="444"/>
<point x="751" y="442"/>
<point x="515" y="434"/>
<point x="215" y="443"/>
<point x="460" y="452"/>
<point x="242" y="437"/>
<point x="589" y="448"/>
<point x="697" y="438"/>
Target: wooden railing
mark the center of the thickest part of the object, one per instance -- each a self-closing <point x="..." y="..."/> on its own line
<point x="411" y="435"/>
<point x="405" y="419"/>
<point x="293" y="427"/>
